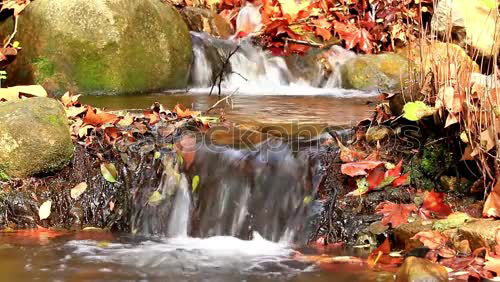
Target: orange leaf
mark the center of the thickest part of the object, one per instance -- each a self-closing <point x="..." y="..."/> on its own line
<point x="395" y="214"/>
<point x="183" y="112"/>
<point x="358" y="168"/>
<point x="431" y="239"/>
<point x="92" y="118"/>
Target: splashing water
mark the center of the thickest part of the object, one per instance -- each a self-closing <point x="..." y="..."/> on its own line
<point x="254" y="71"/>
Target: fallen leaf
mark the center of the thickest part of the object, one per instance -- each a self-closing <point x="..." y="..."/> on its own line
<point x="359" y="168"/>
<point x="434" y="202"/>
<point x="415" y="111"/>
<point x="492" y="263"/>
<point x="431" y="239"/>
<point x="108" y="171"/>
<point x="92" y="118"/>
<point x="492" y="205"/>
<point x="402" y="180"/>
<point x="395" y="214"/>
<point x="44" y="210"/>
<point x="78" y="190"/>
<point x="183" y="112"/>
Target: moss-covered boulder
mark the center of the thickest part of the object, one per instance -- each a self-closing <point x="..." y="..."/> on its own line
<point x="384" y="72"/>
<point x="101" y="46"/>
<point x="34" y="137"/>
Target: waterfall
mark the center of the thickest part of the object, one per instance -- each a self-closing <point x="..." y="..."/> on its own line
<point x="266" y="189"/>
<point x="248" y="69"/>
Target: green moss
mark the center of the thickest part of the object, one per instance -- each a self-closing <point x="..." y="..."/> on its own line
<point x="425" y="168"/>
<point x="3" y="176"/>
<point x="54" y="120"/>
<point x="44" y="69"/>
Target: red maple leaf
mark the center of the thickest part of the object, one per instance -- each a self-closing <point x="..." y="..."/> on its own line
<point x="434" y="202"/>
<point x="395" y="214"/>
<point x="354" y="36"/>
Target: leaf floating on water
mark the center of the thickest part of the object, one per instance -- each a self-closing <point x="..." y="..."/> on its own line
<point x="108" y="171"/>
<point x="415" y="111"/>
<point x="44" y="211"/>
<point x="155" y="198"/>
<point x="196" y="182"/>
<point x="78" y="190"/>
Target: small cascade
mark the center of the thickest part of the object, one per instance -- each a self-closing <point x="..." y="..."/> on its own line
<point x="248" y="69"/>
<point x="266" y="190"/>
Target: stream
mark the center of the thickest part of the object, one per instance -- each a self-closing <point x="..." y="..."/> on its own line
<point x="247" y="218"/>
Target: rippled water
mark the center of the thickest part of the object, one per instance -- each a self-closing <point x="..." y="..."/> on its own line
<point x="103" y="257"/>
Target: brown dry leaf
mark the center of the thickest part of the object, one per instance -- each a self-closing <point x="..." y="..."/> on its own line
<point x="449" y="98"/>
<point x="72" y="111"/>
<point x="69" y="100"/>
<point x="492" y="263"/>
<point x="451" y="119"/>
<point x="467" y="156"/>
<point x="431" y="239"/>
<point x="153" y="117"/>
<point x="182" y="112"/>
<point x="127" y="120"/>
<point x="98" y="119"/>
<point x="487" y="139"/>
<point x="492" y="204"/>
<point x="111" y="134"/>
<point x="16" y="5"/>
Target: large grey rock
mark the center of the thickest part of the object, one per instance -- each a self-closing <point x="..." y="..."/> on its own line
<point x="34" y="137"/>
<point x="384" y="72"/>
<point x="471" y="22"/>
<point x="102" y="46"/>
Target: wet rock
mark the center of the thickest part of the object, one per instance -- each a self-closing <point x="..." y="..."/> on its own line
<point x="101" y="47"/>
<point x="421" y="270"/>
<point x="479" y="232"/>
<point x="199" y="19"/>
<point x="384" y="72"/>
<point x="34" y="137"/>
<point x="470" y="22"/>
<point x="404" y="233"/>
<point x="377" y="133"/>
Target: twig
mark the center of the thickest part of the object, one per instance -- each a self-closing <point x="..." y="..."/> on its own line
<point x="221" y="72"/>
<point x="220" y="101"/>
<point x="312" y="44"/>
<point x="13" y="34"/>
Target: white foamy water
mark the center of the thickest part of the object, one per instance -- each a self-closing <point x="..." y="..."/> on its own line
<point x="192" y="255"/>
<point x="251" y="70"/>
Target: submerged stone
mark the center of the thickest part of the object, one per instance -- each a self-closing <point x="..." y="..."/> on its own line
<point x="34" y="137"/>
<point x="101" y="47"/>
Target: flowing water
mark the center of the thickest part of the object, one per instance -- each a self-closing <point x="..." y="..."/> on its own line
<point x="247" y="218"/>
